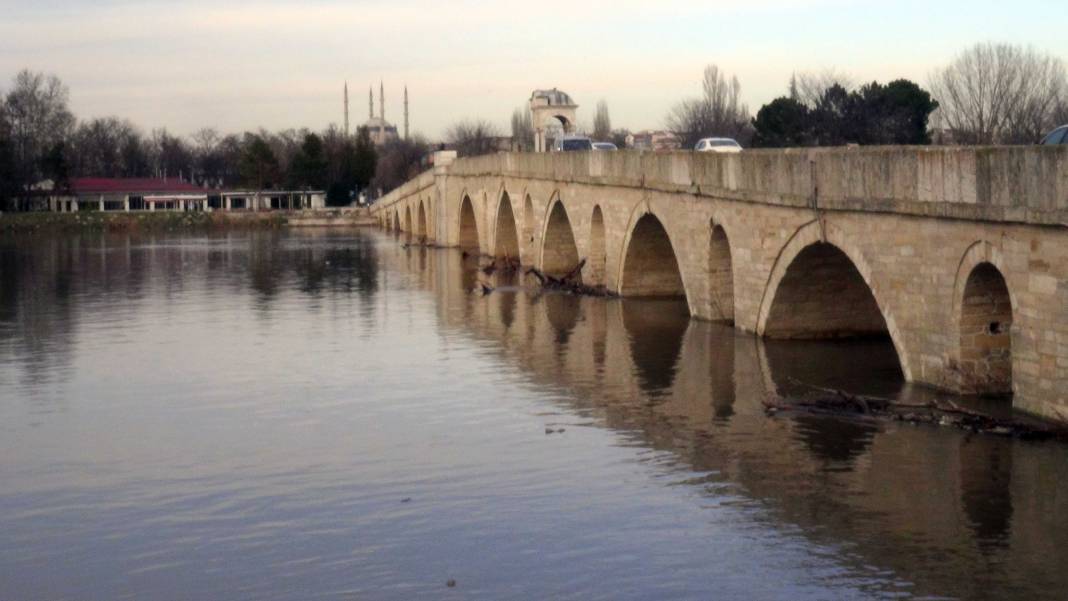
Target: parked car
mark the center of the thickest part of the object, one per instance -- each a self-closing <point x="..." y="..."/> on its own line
<point x="604" y="146"/>
<point x="572" y="144"/>
<point x="717" y="145"/>
<point x="1057" y="136"/>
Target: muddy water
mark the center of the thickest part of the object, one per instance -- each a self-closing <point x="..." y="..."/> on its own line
<point x="331" y="415"/>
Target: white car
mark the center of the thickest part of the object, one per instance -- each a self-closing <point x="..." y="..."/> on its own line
<point x="604" y="146"/>
<point x="717" y="145"/>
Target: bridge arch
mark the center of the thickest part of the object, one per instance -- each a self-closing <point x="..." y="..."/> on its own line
<point x="505" y="237"/>
<point x="720" y="274"/>
<point x="649" y="266"/>
<point x="598" y="255"/>
<point x="396" y="221"/>
<point x="468" y="226"/>
<point x="822" y="287"/>
<point x="559" y="253"/>
<point x="408" y="219"/>
<point x="421" y="225"/>
<point x="983" y="322"/>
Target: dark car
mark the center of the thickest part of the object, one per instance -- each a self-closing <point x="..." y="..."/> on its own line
<point x="573" y="144"/>
<point x="1057" y="136"/>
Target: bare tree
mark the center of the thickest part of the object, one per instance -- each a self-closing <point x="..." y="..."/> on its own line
<point x="1060" y="116"/>
<point x="208" y="160"/>
<point x="809" y="88"/>
<point x="473" y="138"/>
<point x="718" y="112"/>
<point x="38" y="121"/>
<point x="101" y="147"/>
<point x="399" y="161"/>
<point x="171" y="155"/>
<point x="523" y="129"/>
<point x="1000" y="94"/>
<point x="602" y="123"/>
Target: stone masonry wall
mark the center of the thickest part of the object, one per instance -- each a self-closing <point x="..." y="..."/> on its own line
<point x="914" y="223"/>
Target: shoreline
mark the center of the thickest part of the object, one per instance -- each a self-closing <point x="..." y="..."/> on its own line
<point x="167" y="220"/>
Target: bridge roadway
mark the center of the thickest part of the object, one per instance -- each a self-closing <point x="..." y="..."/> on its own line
<point x="958" y="254"/>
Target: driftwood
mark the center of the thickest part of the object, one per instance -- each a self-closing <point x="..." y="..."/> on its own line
<point x="568" y="282"/>
<point x="838" y="403"/>
<point x="504" y="265"/>
<point x="423" y="243"/>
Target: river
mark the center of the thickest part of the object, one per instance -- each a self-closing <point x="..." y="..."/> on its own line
<point x="328" y="414"/>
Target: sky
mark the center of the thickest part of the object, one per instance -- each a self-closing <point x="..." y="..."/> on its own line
<point x="241" y="65"/>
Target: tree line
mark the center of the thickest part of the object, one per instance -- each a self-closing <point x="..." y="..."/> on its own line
<point x="989" y="94"/>
<point x="41" y="139"/>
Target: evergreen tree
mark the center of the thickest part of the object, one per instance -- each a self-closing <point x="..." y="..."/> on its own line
<point x="54" y="165"/>
<point x="602" y="123"/>
<point x="782" y="122"/>
<point x="309" y="166"/>
<point x="365" y="159"/>
<point x="259" y="167"/>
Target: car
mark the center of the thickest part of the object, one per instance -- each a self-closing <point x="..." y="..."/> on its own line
<point x="717" y="145"/>
<point x="604" y="146"/>
<point x="572" y="144"/>
<point x="1057" y="136"/>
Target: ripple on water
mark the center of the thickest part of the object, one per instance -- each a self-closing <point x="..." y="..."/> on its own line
<point x="276" y="415"/>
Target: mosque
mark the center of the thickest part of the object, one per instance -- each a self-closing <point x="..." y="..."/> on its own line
<point x="380" y="130"/>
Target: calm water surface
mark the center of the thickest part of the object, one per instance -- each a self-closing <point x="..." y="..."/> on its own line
<point x="329" y="415"/>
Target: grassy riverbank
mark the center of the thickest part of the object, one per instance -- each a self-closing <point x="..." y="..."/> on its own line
<point x="168" y="221"/>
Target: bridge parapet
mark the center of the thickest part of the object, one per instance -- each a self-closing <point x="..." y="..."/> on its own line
<point x="1012" y="184"/>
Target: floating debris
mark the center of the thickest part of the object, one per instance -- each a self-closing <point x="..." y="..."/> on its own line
<point x="568" y="283"/>
<point x="838" y="403"/>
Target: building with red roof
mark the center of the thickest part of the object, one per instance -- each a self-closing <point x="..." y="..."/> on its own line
<point x="153" y="194"/>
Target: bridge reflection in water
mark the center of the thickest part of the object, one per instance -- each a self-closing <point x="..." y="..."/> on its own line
<point x="967" y="516"/>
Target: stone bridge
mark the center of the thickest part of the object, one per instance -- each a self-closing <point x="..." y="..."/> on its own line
<point x="958" y="255"/>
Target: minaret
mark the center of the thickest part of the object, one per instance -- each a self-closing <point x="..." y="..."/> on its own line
<point x="405" y="112"/>
<point x="381" y="100"/>
<point x="370" y="103"/>
<point x="346" y="109"/>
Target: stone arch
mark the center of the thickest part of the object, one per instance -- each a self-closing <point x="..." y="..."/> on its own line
<point x="598" y="255"/>
<point x="506" y="238"/>
<point x="983" y="320"/>
<point x="396" y="221"/>
<point x="468" y="225"/>
<point x="822" y="295"/>
<point x="528" y="219"/>
<point x="421" y="225"/>
<point x="720" y="275"/>
<point x="649" y="267"/>
<point x="559" y="253"/>
<point x="431" y="221"/>
<point x="408" y="219"/>
<point x="845" y="280"/>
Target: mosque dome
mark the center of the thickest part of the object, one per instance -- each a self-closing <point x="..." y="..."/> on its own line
<point x="553" y="97"/>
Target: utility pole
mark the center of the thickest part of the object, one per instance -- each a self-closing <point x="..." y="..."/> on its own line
<point x="405" y="112"/>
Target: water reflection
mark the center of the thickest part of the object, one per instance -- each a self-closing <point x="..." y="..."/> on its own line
<point x="655" y="330"/>
<point x="986" y="489"/>
<point x="244" y="405"/>
<point x="923" y="503"/>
